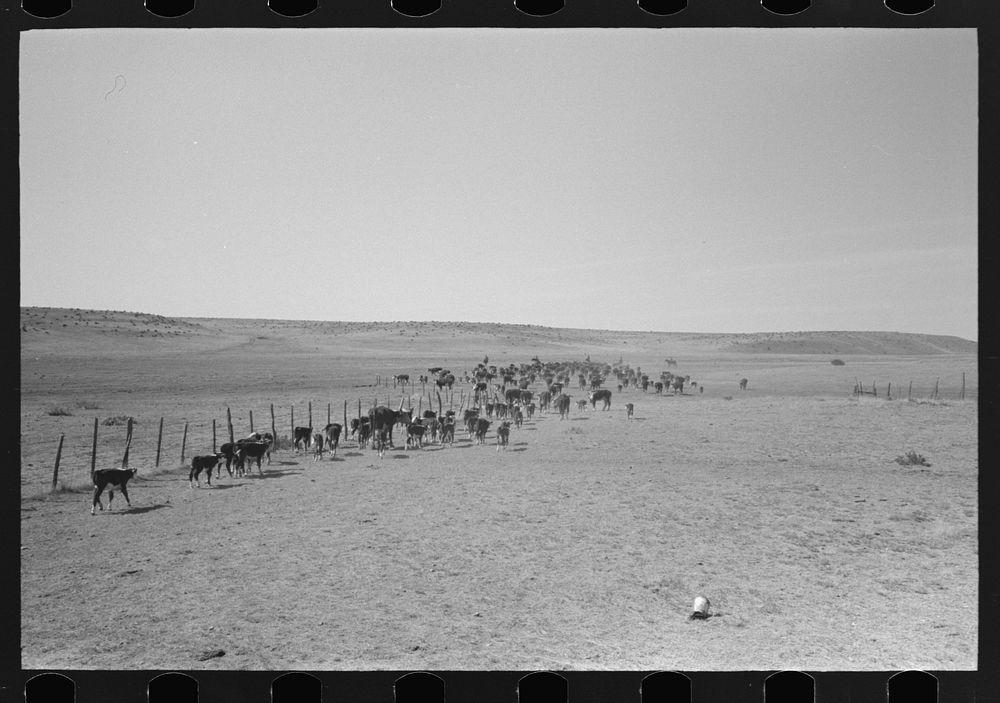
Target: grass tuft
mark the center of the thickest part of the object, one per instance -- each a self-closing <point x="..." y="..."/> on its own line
<point x="911" y="458"/>
<point x="87" y="405"/>
<point x="55" y="410"/>
<point x="838" y="362"/>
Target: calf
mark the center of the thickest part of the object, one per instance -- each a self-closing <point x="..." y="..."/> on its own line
<point x="469" y="418"/>
<point x="530" y="407"/>
<point x="251" y="451"/>
<point x="518" y="417"/>
<point x="482" y="424"/>
<point x="303" y="435"/>
<point x="318" y="443"/>
<point x="332" y="432"/>
<point x="628" y="410"/>
<point x="204" y="463"/>
<point x="581" y="405"/>
<point x="448" y="430"/>
<point x="228" y="452"/>
<point x="110" y="478"/>
<point x="415" y="435"/>
<point x="503" y="435"/>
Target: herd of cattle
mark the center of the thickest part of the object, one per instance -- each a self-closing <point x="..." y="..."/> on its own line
<point x="500" y="394"/>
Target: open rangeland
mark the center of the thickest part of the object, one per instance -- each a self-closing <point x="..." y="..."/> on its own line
<point x="580" y="546"/>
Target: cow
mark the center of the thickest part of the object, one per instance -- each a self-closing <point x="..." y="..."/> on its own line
<point x="503" y="435"/>
<point x="303" y="435"/>
<point x="544" y="400"/>
<point x="228" y="451"/>
<point x="332" y="434"/>
<point x="433" y="426"/>
<point x="512" y="395"/>
<point x="415" y="435"/>
<point x="581" y="405"/>
<point x="448" y="430"/>
<point x="381" y="440"/>
<point x="659" y="387"/>
<point x="383" y="417"/>
<point x="482" y="425"/>
<point x="619" y="388"/>
<point x="518" y="415"/>
<point x="364" y="432"/>
<point x="743" y="384"/>
<point x="110" y="478"/>
<point x="402" y="379"/>
<point x="530" y="410"/>
<point x="445" y="381"/>
<point x="629" y="408"/>
<point x="251" y="451"/>
<point x="603" y="395"/>
<point x="469" y="418"/>
<point x="318" y="444"/>
<point x="562" y="405"/>
<point x="204" y="463"/>
<point x="679" y="384"/>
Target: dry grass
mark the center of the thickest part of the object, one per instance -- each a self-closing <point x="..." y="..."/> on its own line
<point x="581" y="547"/>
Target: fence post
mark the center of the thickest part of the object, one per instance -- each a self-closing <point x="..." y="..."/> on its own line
<point x="936" y="382"/>
<point x="229" y="424"/>
<point x="128" y="443"/>
<point x="184" y="442"/>
<point x="909" y="390"/>
<point x="251" y="422"/>
<point x="310" y="415"/>
<point x="888" y="392"/>
<point x="963" y="385"/>
<point x="159" y="440"/>
<point x="345" y="420"/>
<point x="93" y="452"/>
<point x="55" y="471"/>
<point x="274" y="430"/>
<point x="214" y="450"/>
<point x="874" y="390"/>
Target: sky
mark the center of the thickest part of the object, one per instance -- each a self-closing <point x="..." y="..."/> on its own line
<point x="687" y="180"/>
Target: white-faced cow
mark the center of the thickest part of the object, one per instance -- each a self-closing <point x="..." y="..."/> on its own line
<point x="743" y="384"/>
<point x="503" y="435"/>
<point x="603" y="395"/>
<point x="629" y="408"/>
<point x="110" y="478"/>
<point x="203" y="463"/>
<point x="383" y="417"/>
<point x="332" y="433"/>
<point x="301" y="436"/>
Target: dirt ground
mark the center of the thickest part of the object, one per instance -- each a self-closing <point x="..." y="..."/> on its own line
<point x="580" y="547"/>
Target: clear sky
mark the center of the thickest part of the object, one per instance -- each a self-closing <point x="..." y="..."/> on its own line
<point x="712" y="180"/>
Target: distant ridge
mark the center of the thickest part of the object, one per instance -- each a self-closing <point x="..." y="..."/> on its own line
<point x="129" y="331"/>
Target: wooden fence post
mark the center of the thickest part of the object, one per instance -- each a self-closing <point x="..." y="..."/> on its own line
<point x="274" y="430"/>
<point x="128" y="443"/>
<point x="229" y="424"/>
<point x="888" y="392"/>
<point x="213" y="436"/>
<point x="310" y="415"/>
<point x="251" y="422"/>
<point x="93" y="452"/>
<point x="55" y="471"/>
<point x="909" y="390"/>
<point x="345" y="419"/>
<point x="184" y="442"/>
<point x="328" y="413"/>
<point x="293" y="423"/>
<point x="874" y="390"/>
<point x="963" y="385"/>
<point x="936" y="382"/>
<point x="159" y="441"/>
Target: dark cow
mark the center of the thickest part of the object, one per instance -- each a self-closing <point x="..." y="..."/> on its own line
<point x="581" y="405"/>
<point x="518" y="416"/>
<point x="544" y="400"/>
<point x="383" y="417"/>
<point x="658" y="386"/>
<point x="530" y="410"/>
<point x="448" y="430"/>
<point x="103" y="478"/>
<point x="512" y="395"/>
<point x="482" y="425"/>
<point x="469" y="418"/>
<point x="302" y="435"/>
<point x="364" y="432"/>
<point x="228" y="451"/>
<point x="203" y="463"/>
<point x="415" y="435"/>
<point x="743" y="384"/>
<point x="603" y="395"/>
<point x="619" y="388"/>
<point x="503" y="435"/>
<point x="446" y="381"/>
<point x="562" y="405"/>
<point x="381" y="440"/>
<point x="628" y="410"/>
<point x="679" y="384"/>
<point x="401" y="379"/>
<point x="250" y="451"/>
<point x="318" y="444"/>
<point x="332" y="433"/>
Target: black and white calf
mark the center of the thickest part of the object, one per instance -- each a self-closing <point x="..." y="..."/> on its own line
<point x="204" y="463"/>
<point x="503" y="435"/>
<point x="110" y="479"/>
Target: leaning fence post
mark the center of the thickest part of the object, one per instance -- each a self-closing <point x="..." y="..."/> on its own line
<point x="159" y="440"/>
<point x="93" y="452"/>
<point x="936" y="382"/>
<point x="213" y="436"/>
<point x="128" y="443"/>
<point x="345" y="419"/>
<point x="293" y="423"/>
<point x="55" y="471"/>
<point x="963" y="385"/>
<point x="310" y="415"/>
<point x="274" y="430"/>
<point x="229" y="424"/>
<point x="251" y="422"/>
<point x="909" y="390"/>
<point x="184" y="442"/>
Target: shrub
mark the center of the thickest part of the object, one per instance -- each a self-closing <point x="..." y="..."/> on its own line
<point x="838" y="362"/>
<point x="911" y="458"/>
<point x="87" y="405"/>
<point x="117" y="420"/>
<point x="727" y="397"/>
<point x="57" y="411"/>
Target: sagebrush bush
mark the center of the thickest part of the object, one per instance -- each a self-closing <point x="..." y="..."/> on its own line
<point x="87" y="405"/>
<point x="911" y="458"/>
<point x="838" y="362"/>
<point x="57" y="411"/>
